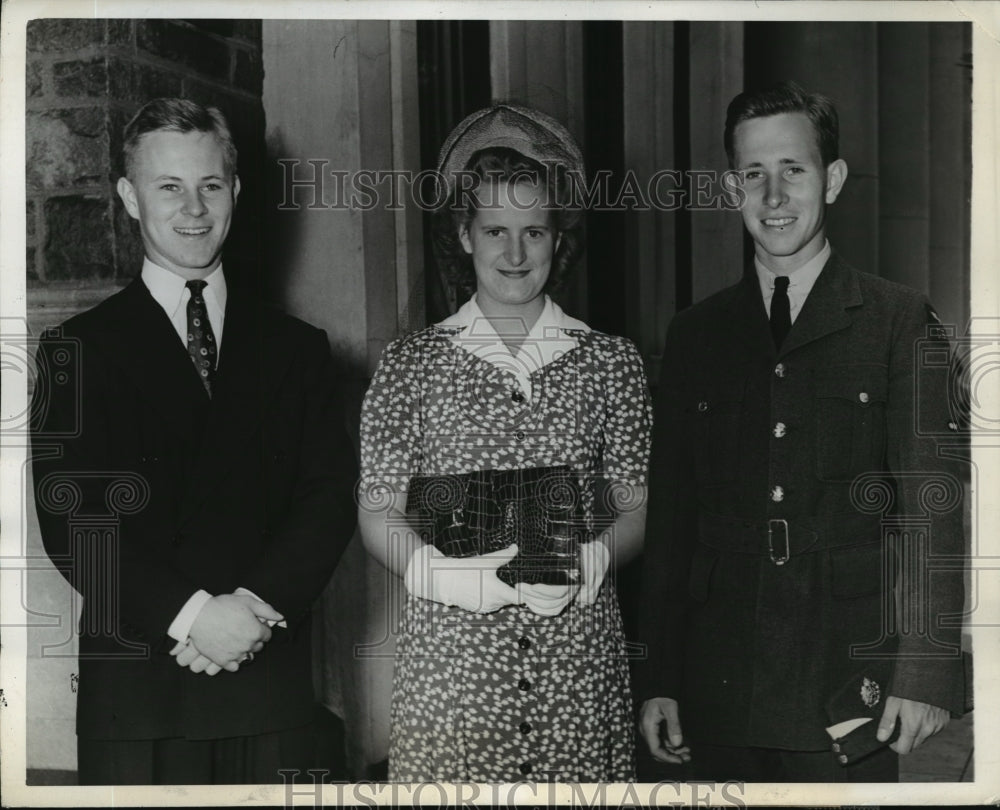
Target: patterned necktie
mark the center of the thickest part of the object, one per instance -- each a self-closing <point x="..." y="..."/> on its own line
<point x="781" y="316"/>
<point x="200" y="340"/>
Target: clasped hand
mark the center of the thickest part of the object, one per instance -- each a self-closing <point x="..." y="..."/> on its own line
<point x="551" y="600"/>
<point x="227" y="628"/>
<point x="472" y="584"/>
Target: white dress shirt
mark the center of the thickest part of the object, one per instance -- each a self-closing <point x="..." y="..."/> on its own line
<point x="800" y="282"/>
<point x="170" y="291"/>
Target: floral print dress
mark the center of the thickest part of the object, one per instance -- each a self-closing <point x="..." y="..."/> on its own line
<point x="509" y="695"/>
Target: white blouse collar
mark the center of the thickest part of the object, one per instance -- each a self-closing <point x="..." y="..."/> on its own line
<point x="551" y="337"/>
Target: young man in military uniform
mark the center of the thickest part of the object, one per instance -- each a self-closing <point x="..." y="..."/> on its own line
<point x="782" y="593"/>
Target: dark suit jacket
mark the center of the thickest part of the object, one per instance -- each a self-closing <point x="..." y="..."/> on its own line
<point x="753" y="649"/>
<point x="147" y="490"/>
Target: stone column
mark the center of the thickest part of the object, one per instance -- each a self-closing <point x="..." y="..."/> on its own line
<point x="540" y="63"/>
<point x="904" y="139"/>
<point x="340" y="258"/>
<point x="716" y="75"/>
<point x="650" y="258"/>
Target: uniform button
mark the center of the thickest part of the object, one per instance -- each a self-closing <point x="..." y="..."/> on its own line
<point x="952" y="426"/>
<point x="836" y="748"/>
<point x="525" y="727"/>
<point x="842" y="759"/>
<point x="779" y="370"/>
<point x="517" y="397"/>
<point x="519" y="435"/>
<point x="524" y="643"/>
<point x="777" y="494"/>
<point x="779" y="430"/>
<point x="863" y="396"/>
<point x="524" y="684"/>
<point x="702" y="406"/>
<point x="524" y="767"/>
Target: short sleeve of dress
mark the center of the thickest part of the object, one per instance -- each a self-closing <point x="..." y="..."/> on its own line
<point x="391" y="433"/>
<point x="628" y="419"/>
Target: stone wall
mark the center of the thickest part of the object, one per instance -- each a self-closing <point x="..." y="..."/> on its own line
<point x="85" y="80"/>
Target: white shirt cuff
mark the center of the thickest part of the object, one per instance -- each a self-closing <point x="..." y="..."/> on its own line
<point x="270" y="622"/>
<point x="180" y="627"/>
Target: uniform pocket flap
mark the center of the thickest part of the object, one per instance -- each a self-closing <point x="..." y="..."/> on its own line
<point x="856" y="571"/>
<point x="860" y="383"/>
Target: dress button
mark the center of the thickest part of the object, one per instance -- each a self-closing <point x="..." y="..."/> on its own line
<point x="525" y="727"/>
<point x="517" y="397"/>
<point x="777" y="494"/>
<point x="519" y="435"/>
<point x="524" y="643"/>
<point x="863" y="397"/>
<point x="779" y="430"/>
<point x="524" y="767"/>
<point x="524" y="684"/>
<point x="779" y="370"/>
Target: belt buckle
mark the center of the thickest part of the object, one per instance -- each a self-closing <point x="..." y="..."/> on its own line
<point x="783" y="557"/>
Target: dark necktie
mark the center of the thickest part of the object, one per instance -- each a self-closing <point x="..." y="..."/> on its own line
<point x="200" y="340"/>
<point x="781" y="316"/>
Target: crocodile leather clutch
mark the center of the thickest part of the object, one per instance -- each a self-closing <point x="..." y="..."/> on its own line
<point x="488" y="510"/>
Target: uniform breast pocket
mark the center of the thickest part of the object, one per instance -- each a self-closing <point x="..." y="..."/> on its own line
<point x="850" y="421"/>
<point x="716" y="414"/>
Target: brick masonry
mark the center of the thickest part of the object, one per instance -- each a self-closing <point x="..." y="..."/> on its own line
<point x="85" y="79"/>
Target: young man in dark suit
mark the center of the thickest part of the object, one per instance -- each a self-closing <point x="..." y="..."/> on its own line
<point x="207" y="426"/>
<point x="783" y="593"/>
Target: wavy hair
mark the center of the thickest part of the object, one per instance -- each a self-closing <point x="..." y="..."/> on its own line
<point x="786" y="97"/>
<point x="177" y="115"/>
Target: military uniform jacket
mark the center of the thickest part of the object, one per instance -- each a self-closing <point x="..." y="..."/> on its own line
<point x="147" y="490"/>
<point x="791" y="493"/>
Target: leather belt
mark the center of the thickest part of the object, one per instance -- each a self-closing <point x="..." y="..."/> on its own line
<point x="779" y="539"/>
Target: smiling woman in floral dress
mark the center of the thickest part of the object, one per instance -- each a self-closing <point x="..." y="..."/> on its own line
<point x="494" y="682"/>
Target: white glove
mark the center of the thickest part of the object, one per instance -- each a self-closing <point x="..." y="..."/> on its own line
<point x="546" y="600"/>
<point x="470" y="583"/>
<point x="594" y="560"/>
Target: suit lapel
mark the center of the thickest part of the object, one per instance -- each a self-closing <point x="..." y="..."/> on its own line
<point x="825" y="310"/>
<point x="252" y="364"/>
<point x="142" y="340"/>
